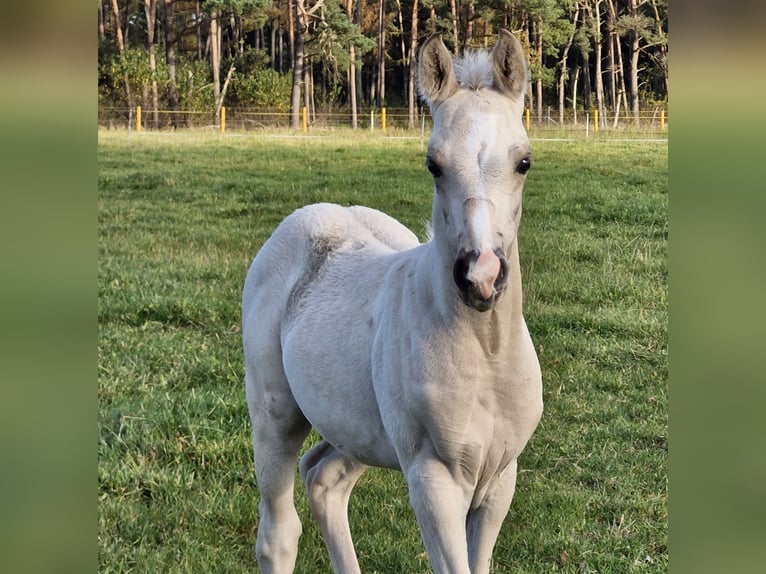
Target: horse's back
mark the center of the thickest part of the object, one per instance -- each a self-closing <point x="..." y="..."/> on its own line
<point x="384" y="228"/>
<point x="293" y="257"/>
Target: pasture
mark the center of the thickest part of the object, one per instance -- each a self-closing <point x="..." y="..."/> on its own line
<point x="180" y="219"/>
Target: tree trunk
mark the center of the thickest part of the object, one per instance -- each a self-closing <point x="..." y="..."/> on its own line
<point x="527" y="35"/>
<point x="455" y="25"/>
<point x="273" y="47"/>
<point x="198" y="20"/>
<point x="150" y="9"/>
<point x="574" y="95"/>
<point x="380" y="92"/>
<point x="219" y="101"/>
<point x="662" y="47"/>
<point x="308" y="89"/>
<point x="469" y="20"/>
<point x="234" y="33"/>
<point x="170" y="58"/>
<point x="622" y="97"/>
<point x="352" y="70"/>
<point x="121" y="48"/>
<point x="586" y="83"/>
<point x="126" y="30"/>
<point x="619" y="73"/>
<point x="610" y="54"/>
<point x="299" y="14"/>
<point x="215" y="54"/>
<point x="539" y="56"/>
<point x="412" y="108"/>
<point x="635" y="40"/>
<point x="599" y="72"/>
<point x="291" y="31"/>
<point x="189" y="94"/>
<point x="101" y="30"/>
<point x="563" y="70"/>
<point x="281" y="48"/>
<point x="404" y="68"/>
<point x="358" y="22"/>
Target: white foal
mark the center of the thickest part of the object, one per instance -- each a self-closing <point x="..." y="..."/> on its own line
<point x="403" y="355"/>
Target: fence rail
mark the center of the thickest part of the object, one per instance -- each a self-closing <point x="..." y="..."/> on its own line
<point x="651" y="123"/>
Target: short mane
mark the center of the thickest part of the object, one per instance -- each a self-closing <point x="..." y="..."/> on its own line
<point x="474" y="70"/>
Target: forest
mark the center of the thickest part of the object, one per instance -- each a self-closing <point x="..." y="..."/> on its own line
<point x="180" y="56"/>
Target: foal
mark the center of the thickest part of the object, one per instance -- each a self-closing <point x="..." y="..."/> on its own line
<point x="403" y="355"/>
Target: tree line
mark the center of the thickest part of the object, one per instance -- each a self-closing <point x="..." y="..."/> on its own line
<point x="192" y="55"/>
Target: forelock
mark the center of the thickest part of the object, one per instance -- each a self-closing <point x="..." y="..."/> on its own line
<point x="474" y="70"/>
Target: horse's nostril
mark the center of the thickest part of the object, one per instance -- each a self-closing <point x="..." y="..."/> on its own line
<point x="502" y="277"/>
<point x="461" y="267"/>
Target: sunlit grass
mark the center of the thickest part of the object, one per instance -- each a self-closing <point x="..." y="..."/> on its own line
<point x="180" y="218"/>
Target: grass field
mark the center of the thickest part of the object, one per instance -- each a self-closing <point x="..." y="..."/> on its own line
<point x="180" y="219"/>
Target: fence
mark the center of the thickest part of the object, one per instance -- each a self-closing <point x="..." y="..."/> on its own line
<point x="652" y="123"/>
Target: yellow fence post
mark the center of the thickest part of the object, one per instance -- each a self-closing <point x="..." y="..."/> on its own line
<point x="662" y="119"/>
<point x="526" y="117"/>
<point x="223" y="119"/>
<point x="383" y="119"/>
<point x="595" y="120"/>
<point x="138" y="118"/>
<point x="304" y="122"/>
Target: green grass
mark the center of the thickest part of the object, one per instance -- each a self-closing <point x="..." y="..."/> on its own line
<point x="180" y="219"/>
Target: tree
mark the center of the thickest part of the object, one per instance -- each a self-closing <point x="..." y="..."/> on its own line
<point x="598" y="76"/>
<point x="412" y="110"/>
<point x="352" y="69"/>
<point x="380" y="92"/>
<point x="637" y="26"/>
<point x="300" y="21"/>
<point x="619" y="70"/>
<point x="542" y="17"/>
<point x="121" y="47"/>
<point x="659" y="39"/>
<point x="563" y="69"/>
<point x="170" y="57"/>
<point x="219" y="13"/>
<point x="214" y="13"/>
<point x="159" y="51"/>
<point x="150" y="9"/>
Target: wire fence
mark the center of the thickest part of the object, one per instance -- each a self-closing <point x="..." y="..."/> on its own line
<point x="650" y="124"/>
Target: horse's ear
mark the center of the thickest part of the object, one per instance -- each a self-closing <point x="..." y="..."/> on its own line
<point x="510" y="65"/>
<point x="436" y="78"/>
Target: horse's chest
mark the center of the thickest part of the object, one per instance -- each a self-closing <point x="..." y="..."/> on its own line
<point x="479" y="416"/>
<point x="439" y="388"/>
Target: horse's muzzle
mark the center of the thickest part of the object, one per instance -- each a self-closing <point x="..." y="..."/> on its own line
<point x="480" y="277"/>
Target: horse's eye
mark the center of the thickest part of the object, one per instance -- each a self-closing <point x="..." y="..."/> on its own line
<point x="433" y="167"/>
<point x="524" y="165"/>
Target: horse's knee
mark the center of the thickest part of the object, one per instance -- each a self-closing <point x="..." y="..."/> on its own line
<point x="314" y="483"/>
<point x="328" y="476"/>
<point x="310" y="463"/>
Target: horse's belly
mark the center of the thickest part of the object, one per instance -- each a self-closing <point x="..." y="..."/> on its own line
<point x="326" y="351"/>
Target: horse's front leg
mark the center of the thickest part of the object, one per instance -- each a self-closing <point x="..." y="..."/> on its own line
<point x="440" y="503"/>
<point x="484" y="522"/>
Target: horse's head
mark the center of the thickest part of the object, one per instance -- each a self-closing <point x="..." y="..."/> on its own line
<point x="478" y="155"/>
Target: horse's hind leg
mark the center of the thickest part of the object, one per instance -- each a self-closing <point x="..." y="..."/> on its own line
<point x="279" y="429"/>
<point x="329" y="478"/>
